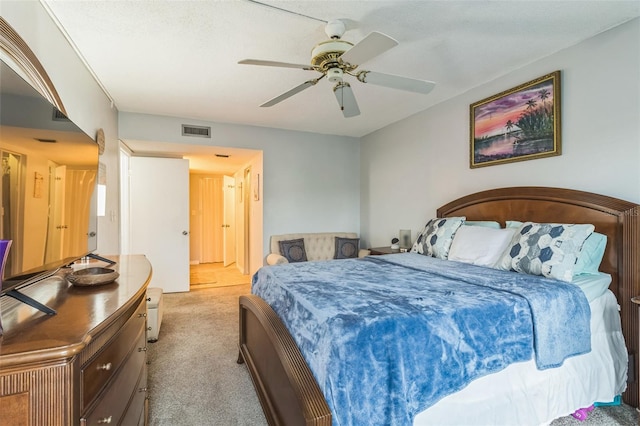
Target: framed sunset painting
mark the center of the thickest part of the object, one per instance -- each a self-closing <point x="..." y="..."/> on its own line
<point x="519" y="124"/>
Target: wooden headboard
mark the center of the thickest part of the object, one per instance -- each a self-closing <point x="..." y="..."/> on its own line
<point x="619" y="220"/>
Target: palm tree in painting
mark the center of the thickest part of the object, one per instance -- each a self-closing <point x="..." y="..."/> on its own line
<point x="509" y="126"/>
<point x="543" y="95"/>
<point x="537" y="120"/>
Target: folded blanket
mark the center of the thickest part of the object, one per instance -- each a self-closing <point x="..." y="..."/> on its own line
<point x="555" y="305"/>
<point x="388" y="336"/>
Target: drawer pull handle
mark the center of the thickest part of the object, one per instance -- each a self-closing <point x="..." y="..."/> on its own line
<point x="149" y="328"/>
<point x="142" y="389"/>
<point x="142" y="315"/>
<point x="105" y="420"/>
<point x="105" y="367"/>
<point x="144" y="349"/>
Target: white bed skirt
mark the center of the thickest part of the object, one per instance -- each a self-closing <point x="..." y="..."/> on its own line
<point x="523" y="395"/>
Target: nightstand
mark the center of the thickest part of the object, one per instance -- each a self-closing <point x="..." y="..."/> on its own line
<point x="374" y="251"/>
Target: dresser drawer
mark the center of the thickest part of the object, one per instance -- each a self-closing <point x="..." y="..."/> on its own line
<point x="122" y="390"/>
<point x="97" y="372"/>
<point x="136" y="411"/>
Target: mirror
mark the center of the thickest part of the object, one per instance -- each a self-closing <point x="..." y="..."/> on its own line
<point x="49" y="176"/>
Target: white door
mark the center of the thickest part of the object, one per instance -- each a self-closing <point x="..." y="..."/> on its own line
<point x="229" y="227"/>
<point x="159" y="226"/>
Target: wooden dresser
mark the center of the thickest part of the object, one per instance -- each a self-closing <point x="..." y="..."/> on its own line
<point x="86" y="365"/>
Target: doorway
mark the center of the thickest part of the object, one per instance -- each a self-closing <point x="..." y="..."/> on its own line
<point x="218" y="232"/>
<point x="12" y="206"/>
<point x="245" y="213"/>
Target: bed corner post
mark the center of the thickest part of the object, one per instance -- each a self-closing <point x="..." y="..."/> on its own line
<point x="630" y="312"/>
<point x="286" y="388"/>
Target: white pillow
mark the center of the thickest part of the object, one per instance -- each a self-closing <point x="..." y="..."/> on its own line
<point x="480" y="245"/>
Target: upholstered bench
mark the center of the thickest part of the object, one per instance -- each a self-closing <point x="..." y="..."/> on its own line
<point x="317" y="246"/>
<point x="154" y="313"/>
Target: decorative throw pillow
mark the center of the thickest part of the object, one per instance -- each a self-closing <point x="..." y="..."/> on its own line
<point x="436" y="237"/>
<point x="548" y="249"/>
<point x="590" y="256"/>
<point x="346" y="248"/>
<point x="293" y="250"/>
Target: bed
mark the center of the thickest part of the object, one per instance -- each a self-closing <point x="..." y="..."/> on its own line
<point x="290" y="393"/>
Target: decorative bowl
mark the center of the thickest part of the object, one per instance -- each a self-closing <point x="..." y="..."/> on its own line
<point x="92" y="276"/>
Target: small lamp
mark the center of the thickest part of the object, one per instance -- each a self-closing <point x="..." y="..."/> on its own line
<point x="394" y="244"/>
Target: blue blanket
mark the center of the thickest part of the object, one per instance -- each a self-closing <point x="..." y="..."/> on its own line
<point x="388" y="336"/>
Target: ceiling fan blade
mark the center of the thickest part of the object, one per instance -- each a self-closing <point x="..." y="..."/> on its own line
<point x="291" y="92"/>
<point x="396" y="82"/>
<point x="368" y="48"/>
<point x="346" y="100"/>
<point x="274" y="64"/>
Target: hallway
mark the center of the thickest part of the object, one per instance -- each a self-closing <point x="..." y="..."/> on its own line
<point x="210" y="275"/>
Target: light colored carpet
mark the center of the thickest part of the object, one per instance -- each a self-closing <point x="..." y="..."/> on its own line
<point x="194" y="379"/>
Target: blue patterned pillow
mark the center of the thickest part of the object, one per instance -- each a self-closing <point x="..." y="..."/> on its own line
<point x="293" y="250"/>
<point x="346" y="248"/>
<point x="436" y="237"/>
<point x="548" y="249"/>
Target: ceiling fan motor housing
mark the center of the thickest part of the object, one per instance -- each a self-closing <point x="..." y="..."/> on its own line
<point x="327" y="54"/>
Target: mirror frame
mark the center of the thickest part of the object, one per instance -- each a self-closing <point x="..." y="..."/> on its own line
<point x="17" y="54"/>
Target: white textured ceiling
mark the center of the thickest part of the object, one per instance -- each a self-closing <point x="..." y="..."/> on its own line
<point x="179" y="58"/>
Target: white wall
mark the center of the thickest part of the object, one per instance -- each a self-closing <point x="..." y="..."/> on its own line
<point x="310" y="182"/>
<point x="84" y="101"/>
<point x="412" y="167"/>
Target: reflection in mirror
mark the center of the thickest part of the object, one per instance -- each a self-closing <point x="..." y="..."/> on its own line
<point x="49" y="174"/>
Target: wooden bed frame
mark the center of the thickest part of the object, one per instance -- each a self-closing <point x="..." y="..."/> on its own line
<point x="286" y="387"/>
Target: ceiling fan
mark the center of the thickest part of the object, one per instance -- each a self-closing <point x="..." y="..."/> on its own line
<point x="335" y="58"/>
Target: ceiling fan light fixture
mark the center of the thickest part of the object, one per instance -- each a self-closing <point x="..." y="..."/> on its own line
<point x="335" y="75"/>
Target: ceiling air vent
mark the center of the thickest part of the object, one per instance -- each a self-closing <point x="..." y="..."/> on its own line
<point x="197" y="131"/>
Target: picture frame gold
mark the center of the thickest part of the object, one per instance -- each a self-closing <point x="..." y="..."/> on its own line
<point x="522" y="123"/>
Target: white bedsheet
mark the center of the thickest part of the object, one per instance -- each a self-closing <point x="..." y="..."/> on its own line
<point x="523" y="395"/>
